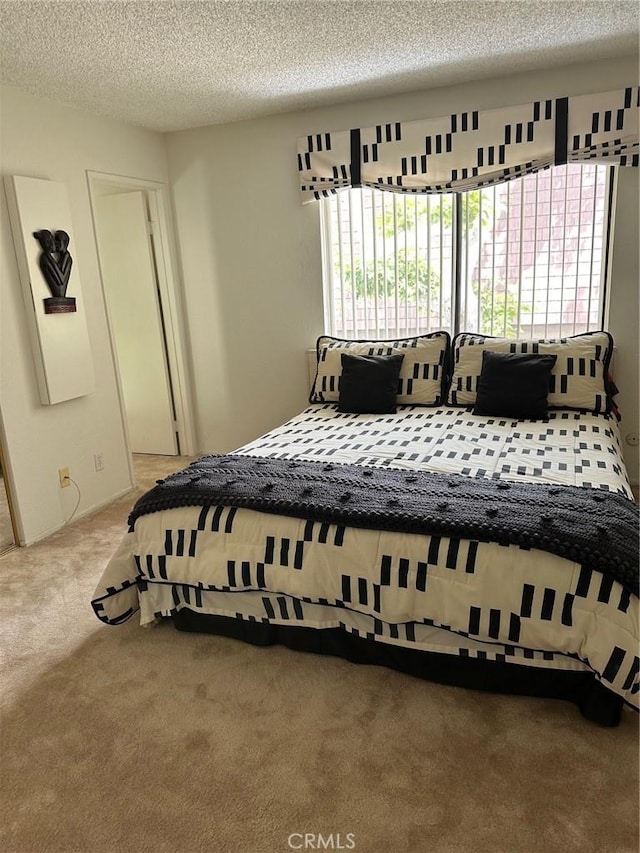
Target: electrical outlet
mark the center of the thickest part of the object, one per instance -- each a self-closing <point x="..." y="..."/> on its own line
<point x="98" y="461"/>
<point x="63" y="474"/>
<point x="633" y="439"/>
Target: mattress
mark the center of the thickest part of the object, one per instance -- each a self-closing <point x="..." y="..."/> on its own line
<point x="438" y="594"/>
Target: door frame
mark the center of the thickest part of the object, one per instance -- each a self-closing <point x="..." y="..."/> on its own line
<point x="7" y="475"/>
<point x="172" y="308"/>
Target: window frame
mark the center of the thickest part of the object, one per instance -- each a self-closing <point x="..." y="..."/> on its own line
<point x="457" y="304"/>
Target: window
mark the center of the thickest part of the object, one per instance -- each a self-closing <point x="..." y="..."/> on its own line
<point x="522" y="258"/>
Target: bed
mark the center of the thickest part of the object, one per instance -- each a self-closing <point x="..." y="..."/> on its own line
<point x="427" y="537"/>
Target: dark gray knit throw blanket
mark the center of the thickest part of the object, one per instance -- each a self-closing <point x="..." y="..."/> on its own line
<point x="595" y="528"/>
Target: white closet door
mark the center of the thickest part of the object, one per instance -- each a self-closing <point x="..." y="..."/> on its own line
<point x="133" y="302"/>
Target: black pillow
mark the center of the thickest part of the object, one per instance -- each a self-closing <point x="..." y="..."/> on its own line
<point x="514" y="385"/>
<point x="369" y="383"/>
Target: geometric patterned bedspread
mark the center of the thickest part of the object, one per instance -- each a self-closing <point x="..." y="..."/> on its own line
<point x="437" y="593"/>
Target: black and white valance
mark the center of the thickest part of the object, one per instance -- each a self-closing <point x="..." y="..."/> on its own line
<point x="468" y="150"/>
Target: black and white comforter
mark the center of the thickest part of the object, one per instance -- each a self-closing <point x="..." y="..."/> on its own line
<point x="438" y="593"/>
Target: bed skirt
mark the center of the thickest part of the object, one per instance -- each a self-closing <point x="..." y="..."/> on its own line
<point x="595" y="702"/>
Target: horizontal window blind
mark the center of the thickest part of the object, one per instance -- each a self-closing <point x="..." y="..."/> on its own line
<point x="531" y="257"/>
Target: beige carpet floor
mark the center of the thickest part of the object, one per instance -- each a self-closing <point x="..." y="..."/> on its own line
<point x="123" y="739"/>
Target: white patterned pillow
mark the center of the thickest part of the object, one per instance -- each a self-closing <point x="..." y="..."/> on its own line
<point x="422" y="376"/>
<point x="578" y="379"/>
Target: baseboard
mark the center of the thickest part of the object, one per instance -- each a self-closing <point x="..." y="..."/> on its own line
<point x="85" y="512"/>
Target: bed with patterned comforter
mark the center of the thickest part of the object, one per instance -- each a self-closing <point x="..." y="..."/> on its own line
<point x="511" y="604"/>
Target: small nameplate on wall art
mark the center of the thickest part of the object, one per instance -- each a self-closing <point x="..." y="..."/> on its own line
<point x="42" y="235"/>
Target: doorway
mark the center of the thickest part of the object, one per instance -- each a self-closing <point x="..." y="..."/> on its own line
<point x="143" y="313"/>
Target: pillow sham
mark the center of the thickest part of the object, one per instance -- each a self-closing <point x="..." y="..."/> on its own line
<point x="514" y="385"/>
<point x="422" y="375"/>
<point x="369" y="383"/>
<point x="578" y="378"/>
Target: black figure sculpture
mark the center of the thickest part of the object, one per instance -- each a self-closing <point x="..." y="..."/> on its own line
<point x="55" y="262"/>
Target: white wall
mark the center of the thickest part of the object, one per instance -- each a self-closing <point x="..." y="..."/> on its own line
<point x="44" y="139"/>
<point x="624" y="310"/>
<point x="251" y="253"/>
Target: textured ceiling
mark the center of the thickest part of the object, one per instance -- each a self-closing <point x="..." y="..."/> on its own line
<point x="173" y="65"/>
